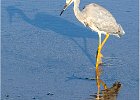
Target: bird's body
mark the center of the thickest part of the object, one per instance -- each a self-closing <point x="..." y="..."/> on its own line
<point x="97" y="19"/>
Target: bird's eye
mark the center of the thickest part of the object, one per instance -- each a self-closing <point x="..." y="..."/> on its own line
<point x="84" y="7"/>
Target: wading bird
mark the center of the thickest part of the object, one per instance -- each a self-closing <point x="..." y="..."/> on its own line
<point x="100" y="20"/>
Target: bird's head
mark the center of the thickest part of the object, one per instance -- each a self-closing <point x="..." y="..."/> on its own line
<point x="68" y="2"/>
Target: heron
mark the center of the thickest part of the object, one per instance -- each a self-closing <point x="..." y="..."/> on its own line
<point x="98" y="19"/>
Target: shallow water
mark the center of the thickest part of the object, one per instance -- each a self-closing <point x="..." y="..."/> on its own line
<point x="48" y="57"/>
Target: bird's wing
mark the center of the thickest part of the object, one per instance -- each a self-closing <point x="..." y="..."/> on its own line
<point x="97" y="16"/>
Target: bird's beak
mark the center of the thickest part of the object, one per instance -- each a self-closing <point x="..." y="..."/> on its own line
<point x="65" y="7"/>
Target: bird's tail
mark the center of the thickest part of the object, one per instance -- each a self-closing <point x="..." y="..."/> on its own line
<point x="121" y="31"/>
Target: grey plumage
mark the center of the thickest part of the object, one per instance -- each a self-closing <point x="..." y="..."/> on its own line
<point x="95" y="15"/>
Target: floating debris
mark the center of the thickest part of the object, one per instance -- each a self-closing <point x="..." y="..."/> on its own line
<point x="18" y="96"/>
<point x="33" y="98"/>
<point x="7" y="95"/>
<point x="50" y="93"/>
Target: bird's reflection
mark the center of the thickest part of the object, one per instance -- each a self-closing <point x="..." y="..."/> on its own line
<point x="108" y="93"/>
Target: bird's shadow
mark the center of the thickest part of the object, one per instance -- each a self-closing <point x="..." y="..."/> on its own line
<point x="74" y="77"/>
<point x="59" y="25"/>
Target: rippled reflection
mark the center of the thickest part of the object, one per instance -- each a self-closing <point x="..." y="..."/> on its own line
<point x="109" y="93"/>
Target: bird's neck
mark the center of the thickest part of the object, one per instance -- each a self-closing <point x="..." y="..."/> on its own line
<point x="76" y="3"/>
<point x="76" y="9"/>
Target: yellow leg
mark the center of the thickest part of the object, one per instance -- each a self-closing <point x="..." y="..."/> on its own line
<point x="98" y="61"/>
<point x="102" y="44"/>
<point x="99" y="55"/>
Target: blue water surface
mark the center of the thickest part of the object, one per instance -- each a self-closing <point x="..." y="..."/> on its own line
<point x="43" y="54"/>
